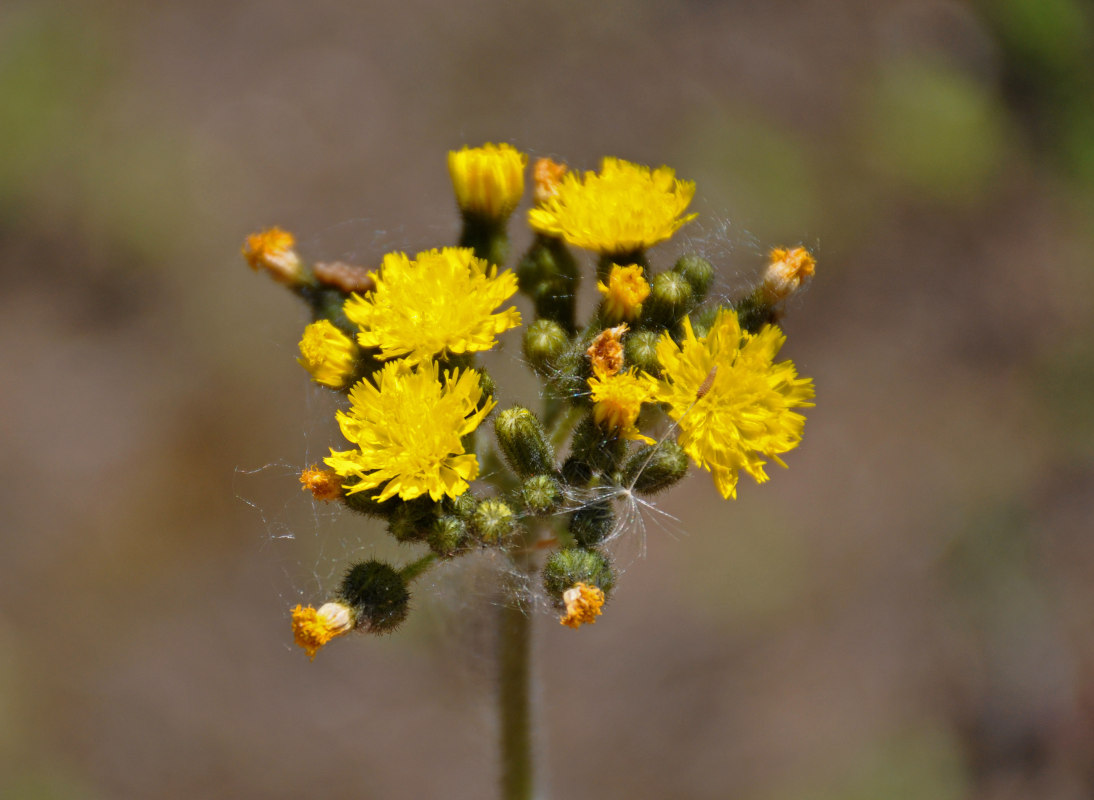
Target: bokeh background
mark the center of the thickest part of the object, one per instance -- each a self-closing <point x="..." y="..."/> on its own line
<point x="908" y="612"/>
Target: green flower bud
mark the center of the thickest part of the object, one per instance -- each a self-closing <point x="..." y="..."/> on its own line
<point x="487" y="384"/>
<point x="592" y="524"/>
<point x="576" y="471"/>
<point x="523" y="442"/>
<point x="410" y="521"/>
<point x="702" y="320"/>
<point x="572" y="565"/>
<point x="541" y="493"/>
<point x="544" y="342"/>
<point x="448" y="535"/>
<point x="698" y="272"/>
<point x="378" y="595"/>
<point x="640" y="350"/>
<point x="462" y="506"/>
<point x="671" y="298"/>
<point x="655" y="468"/>
<point x="602" y="450"/>
<point x="493" y="521"/>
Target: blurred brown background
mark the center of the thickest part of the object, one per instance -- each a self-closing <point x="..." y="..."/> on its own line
<point x="908" y="612"/>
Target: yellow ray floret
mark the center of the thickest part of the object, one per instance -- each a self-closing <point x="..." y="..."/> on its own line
<point x="488" y="180"/>
<point x="617" y="400"/>
<point x="441" y="302"/>
<point x="624" y="293"/>
<point x="328" y="354"/>
<point x="732" y="402"/>
<point x="583" y="605"/>
<point x="622" y="209"/>
<point x="407" y="425"/>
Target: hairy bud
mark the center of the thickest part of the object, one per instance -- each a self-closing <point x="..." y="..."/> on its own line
<point x="378" y="595"/>
<point x="523" y="442"/>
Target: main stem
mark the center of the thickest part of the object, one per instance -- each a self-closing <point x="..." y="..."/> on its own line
<point x="514" y="699"/>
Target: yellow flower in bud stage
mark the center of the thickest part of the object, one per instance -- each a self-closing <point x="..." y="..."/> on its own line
<point x="622" y="209"/>
<point x="786" y="272"/>
<point x="625" y="293"/>
<point x="606" y="351"/>
<point x="583" y="605"/>
<point x="273" y="250"/>
<point x="407" y="425"/>
<point x="313" y="628"/>
<point x="441" y="302"/>
<point x="731" y="401"/>
<point x="617" y="400"/>
<point x="546" y="175"/>
<point x="489" y="180"/>
<point x="324" y="484"/>
<point x="328" y="354"/>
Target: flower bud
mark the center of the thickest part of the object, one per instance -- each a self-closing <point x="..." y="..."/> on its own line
<point x="544" y="342"/>
<point x="671" y="298"/>
<point x="488" y="180"/>
<point x="624" y="292"/>
<point x="654" y="469"/>
<point x="377" y="594"/>
<point x="572" y="565"/>
<point x="447" y="536"/>
<point x="592" y="524"/>
<point x="411" y="521"/>
<point x="493" y="521"/>
<point x="523" y="442"/>
<point x="601" y="449"/>
<point x="640" y="350"/>
<point x="698" y="272"/>
<point x="329" y="356"/>
<point x="541" y="493"/>
<point x="576" y="471"/>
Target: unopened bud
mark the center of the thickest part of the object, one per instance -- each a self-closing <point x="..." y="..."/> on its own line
<point x="698" y="272"/>
<point x="654" y="469"/>
<point x="523" y="442"/>
<point x="493" y="521"/>
<point x="541" y="493"/>
<point x="592" y="524"/>
<point x="671" y="298"/>
<point x="377" y="594"/>
<point x="573" y="565"/>
<point x="544" y="341"/>
<point x="640" y="350"/>
<point x="447" y="536"/>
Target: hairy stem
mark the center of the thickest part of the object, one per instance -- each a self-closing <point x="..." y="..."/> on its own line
<point x="514" y="699"/>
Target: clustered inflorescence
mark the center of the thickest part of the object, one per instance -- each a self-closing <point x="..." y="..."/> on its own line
<point x="659" y="377"/>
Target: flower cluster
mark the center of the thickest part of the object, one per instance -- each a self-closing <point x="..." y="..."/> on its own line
<point x="660" y="377"/>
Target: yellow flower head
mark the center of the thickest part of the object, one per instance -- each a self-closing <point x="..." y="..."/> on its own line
<point x="273" y="250"/>
<point x="441" y="302"/>
<point x="328" y="354"/>
<point x="408" y="427"/>
<point x="488" y="180"/>
<point x="731" y="400"/>
<point x="618" y="398"/>
<point x="583" y="605"/>
<point x="606" y="351"/>
<point x="625" y="293"/>
<point x="786" y="272"/>
<point x="622" y="209"/>
<point x="546" y="175"/>
<point x="324" y="484"/>
<point x="311" y="629"/>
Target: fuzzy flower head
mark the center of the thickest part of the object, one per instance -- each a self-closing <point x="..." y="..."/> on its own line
<point x="442" y="302"/>
<point x="624" y="293"/>
<point x="328" y="354"/>
<point x="274" y="251"/>
<point x="583" y="605"/>
<point x="622" y="209"/>
<point x="787" y="271"/>
<point x="731" y="401"/>
<point x="313" y="628"/>
<point x="489" y="180"/>
<point x="617" y="400"/>
<point x="408" y="425"/>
